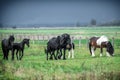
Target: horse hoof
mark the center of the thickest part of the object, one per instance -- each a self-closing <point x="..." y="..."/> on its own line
<point x="93" y="55"/>
<point x="59" y="57"/>
<point x="51" y="58"/>
<point x="55" y="59"/>
<point x="64" y="58"/>
<point x="100" y="55"/>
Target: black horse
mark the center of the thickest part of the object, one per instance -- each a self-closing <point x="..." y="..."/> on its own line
<point x="7" y="45"/>
<point x="57" y="44"/>
<point x="52" y="46"/>
<point x="64" y="41"/>
<point x="20" y="47"/>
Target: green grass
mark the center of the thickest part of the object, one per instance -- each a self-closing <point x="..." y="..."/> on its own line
<point x="85" y="31"/>
<point x="34" y="65"/>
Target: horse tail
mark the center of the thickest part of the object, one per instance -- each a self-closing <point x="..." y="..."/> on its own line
<point x="90" y="48"/>
<point x="73" y="46"/>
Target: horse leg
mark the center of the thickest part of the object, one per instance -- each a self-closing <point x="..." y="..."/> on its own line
<point x="92" y="50"/>
<point x="60" y="54"/>
<point x="57" y="54"/>
<point x="101" y="51"/>
<point x="17" y="54"/>
<point x="69" y="53"/>
<point x="64" y="54"/>
<point x="12" y="54"/>
<point x="47" y="55"/>
<point x="72" y="53"/>
<point x="54" y="55"/>
<point x="51" y="57"/>
<point x="4" y="53"/>
<point x="21" y="55"/>
<point x="7" y="54"/>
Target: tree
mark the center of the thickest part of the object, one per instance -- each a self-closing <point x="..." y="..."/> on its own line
<point x="77" y="24"/>
<point x="93" y="22"/>
<point x="14" y="27"/>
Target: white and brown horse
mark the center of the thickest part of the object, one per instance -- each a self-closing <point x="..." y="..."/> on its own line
<point x="100" y="42"/>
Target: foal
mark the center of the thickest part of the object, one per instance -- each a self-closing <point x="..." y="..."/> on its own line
<point x="20" y="47"/>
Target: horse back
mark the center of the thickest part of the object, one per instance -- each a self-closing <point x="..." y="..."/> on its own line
<point x="5" y="43"/>
<point x="16" y="46"/>
<point x="93" y="40"/>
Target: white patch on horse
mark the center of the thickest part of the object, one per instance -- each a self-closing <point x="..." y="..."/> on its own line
<point x="102" y="39"/>
<point x="92" y="49"/>
<point x="68" y="54"/>
<point x="100" y="54"/>
<point x="72" y="53"/>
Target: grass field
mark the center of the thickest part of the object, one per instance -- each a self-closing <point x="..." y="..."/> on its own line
<point x="34" y="65"/>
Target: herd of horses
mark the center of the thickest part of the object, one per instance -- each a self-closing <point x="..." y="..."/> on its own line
<point x="56" y="47"/>
<point x="8" y="44"/>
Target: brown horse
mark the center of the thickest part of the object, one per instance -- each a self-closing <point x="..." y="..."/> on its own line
<point x="100" y="42"/>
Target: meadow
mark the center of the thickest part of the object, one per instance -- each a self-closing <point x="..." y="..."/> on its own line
<point x="34" y="65"/>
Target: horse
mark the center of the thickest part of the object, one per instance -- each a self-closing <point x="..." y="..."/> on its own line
<point x="100" y="42"/>
<point x="57" y="44"/>
<point x="65" y="40"/>
<point x="70" y="48"/>
<point x="52" y="46"/>
<point x="7" y="45"/>
<point x="20" y="47"/>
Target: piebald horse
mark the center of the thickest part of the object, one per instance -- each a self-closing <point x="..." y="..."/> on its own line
<point x="100" y="42"/>
<point x="70" y="48"/>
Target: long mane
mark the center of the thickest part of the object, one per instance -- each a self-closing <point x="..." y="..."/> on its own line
<point x="110" y="48"/>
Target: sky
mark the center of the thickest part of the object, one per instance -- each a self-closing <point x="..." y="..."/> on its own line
<point x="26" y="12"/>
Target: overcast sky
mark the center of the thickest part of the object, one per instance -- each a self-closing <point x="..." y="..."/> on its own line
<point x="16" y="12"/>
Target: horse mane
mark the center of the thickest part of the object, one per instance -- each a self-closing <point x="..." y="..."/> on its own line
<point x="110" y="47"/>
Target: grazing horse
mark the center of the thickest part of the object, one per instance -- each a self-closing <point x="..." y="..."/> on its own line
<point x="100" y="42"/>
<point x="20" y="47"/>
<point x="57" y="44"/>
<point x="70" y="48"/>
<point x="7" y="45"/>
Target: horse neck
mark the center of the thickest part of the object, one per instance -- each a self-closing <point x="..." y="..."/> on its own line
<point x="9" y="41"/>
<point x="23" y="44"/>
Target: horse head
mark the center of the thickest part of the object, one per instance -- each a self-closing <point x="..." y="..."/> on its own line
<point x="110" y="48"/>
<point x="65" y="39"/>
<point x="26" y="41"/>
